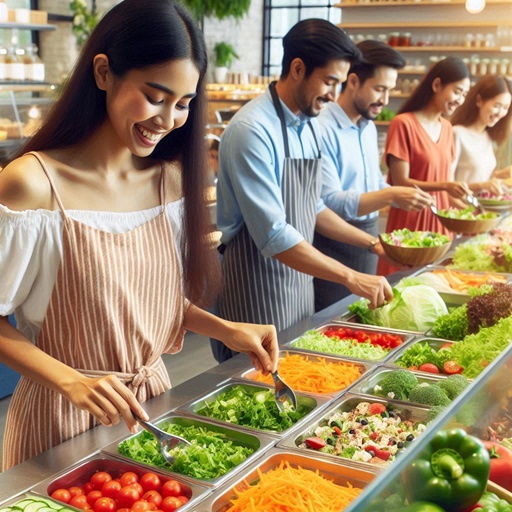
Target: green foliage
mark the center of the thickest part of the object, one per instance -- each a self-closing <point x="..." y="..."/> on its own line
<point x="220" y="9"/>
<point x="84" y="19"/>
<point x="224" y="54"/>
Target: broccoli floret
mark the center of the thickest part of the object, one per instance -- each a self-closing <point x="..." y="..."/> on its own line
<point x="453" y="385"/>
<point x="429" y="395"/>
<point x="397" y="384"/>
<point x="435" y="411"/>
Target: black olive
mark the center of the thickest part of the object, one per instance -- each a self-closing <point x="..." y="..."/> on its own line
<point x="410" y="437"/>
<point x="351" y="431"/>
<point x="392" y="441"/>
<point x="400" y="444"/>
<point x="391" y="414"/>
<point x="371" y="452"/>
<point x="364" y="422"/>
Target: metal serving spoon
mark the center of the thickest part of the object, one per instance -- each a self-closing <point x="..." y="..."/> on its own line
<point x="283" y="392"/>
<point x="471" y="199"/>
<point x="432" y="205"/>
<point x="166" y="441"/>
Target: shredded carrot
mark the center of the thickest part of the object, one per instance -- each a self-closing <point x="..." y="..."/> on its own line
<point x="292" y="489"/>
<point x="461" y="281"/>
<point x="313" y="375"/>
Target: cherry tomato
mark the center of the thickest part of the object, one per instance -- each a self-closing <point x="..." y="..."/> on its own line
<point x="429" y="367"/>
<point x="138" y="487"/>
<point x="61" y="495"/>
<point x="75" y="490"/>
<point x="99" y="478"/>
<point x="88" y="487"/>
<point x="93" y="496"/>
<point x="111" y="488"/>
<point x="129" y="478"/>
<point x="171" y="488"/>
<point x="123" y="510"/>
<point x="127" y="496"/>
<point x="105" y="505"/>
<point x="150" y="482"/>
<point x="143" y="506"/>
<point x="79" y="501"/>
<point x="153" y="497"/>
<point x="183" y="499"/>
<point x="448" y="344"/>
<point x="171" y="503"/>
<point x="452" y="367"/>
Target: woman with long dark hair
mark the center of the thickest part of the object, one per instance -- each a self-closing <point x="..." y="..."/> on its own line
<point x="420" y="147"/>
<point x="104" y="234"/>
<point x="481" y="126"/>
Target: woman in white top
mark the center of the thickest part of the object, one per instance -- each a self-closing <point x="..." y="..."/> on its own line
<point x="481" y="125"/>
<point x="104" y="244"/>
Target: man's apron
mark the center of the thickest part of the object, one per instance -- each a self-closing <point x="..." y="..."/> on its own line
<point x="264" y="290"/>
<point x="116" y="306"/>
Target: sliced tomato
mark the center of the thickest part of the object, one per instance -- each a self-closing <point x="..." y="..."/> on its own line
<point x="376" y="408"/>
<point x="315" y="442"/>
<point x="429" y="367"/>
<point x="452" y="367"/>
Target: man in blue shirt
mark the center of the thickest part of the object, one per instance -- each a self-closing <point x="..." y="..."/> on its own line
<point x="352" y="182"/>
<point x="268" y="191"/>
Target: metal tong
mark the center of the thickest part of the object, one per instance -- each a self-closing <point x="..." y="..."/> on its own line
<point x="165" y="440"/>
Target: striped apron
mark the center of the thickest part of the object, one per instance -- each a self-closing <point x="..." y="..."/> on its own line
<point x="116" y="306"/>
<point x="361" y="260"/>
<point x="264" y="290"/>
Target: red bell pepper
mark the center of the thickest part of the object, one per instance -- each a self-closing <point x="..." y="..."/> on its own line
<point x="501" y="464"/>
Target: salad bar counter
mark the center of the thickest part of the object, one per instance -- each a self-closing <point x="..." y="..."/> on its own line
<point x="384" y="397"/>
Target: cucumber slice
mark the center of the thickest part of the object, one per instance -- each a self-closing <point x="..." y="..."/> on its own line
<point x="46" y="508"/>
<point x="48" y="502"/>
<point x="34" y="506"/>
<point x="6" y="509"/>
<point x="22" y="504"/>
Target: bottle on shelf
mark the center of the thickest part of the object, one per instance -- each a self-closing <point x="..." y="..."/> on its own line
<point x="34" y="67"/>
<point x="14" y="68"/>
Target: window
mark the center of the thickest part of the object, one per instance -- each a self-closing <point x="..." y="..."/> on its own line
<point x="280" y="16"/>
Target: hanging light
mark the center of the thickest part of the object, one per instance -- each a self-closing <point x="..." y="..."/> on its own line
<point x="475" y="6"/>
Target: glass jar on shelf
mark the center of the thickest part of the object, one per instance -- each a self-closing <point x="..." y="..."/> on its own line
<point x="393" y="38"/>
<point x="469" y="40"/>
<point x="494" y="65"/>
<point x="474" y="66"/>
<point x="14" y="68"/>
<point x="503" y="67"/>
<point x="479" y="41"/>
<point x="489" y="40"/>
<point x="34" y="67"/>
<point x="484" y="67"/>
<point x="404" y="39"/>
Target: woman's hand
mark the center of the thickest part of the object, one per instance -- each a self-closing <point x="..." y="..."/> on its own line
<point x="457" y="189"/>
<point x="258" y="341"/>
<point x="375" y="288"/>
<point x="107" y="399"/>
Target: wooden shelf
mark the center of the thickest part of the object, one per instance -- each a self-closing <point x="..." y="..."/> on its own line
<point x="395" y="3"/>
<point x="451" y="49"/>
<point x="26" y="26"/>
<point x="426" y="24"/>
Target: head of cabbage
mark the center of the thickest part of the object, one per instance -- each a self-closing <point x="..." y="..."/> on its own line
<point x="414" y="308"/>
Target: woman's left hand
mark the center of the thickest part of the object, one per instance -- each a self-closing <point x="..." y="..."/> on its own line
<point x="258" y="341"/>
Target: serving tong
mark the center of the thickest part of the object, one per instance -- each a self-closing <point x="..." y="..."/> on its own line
<point x="165" y="440"/>
<point x="283" y="393"/>
<point x="470" y="198"/>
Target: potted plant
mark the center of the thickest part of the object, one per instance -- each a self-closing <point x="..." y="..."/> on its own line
<point x="220" y="9"/>
<point x="224" y="56"/>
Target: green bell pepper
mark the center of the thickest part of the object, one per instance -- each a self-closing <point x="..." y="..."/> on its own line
<point x="421" y="506"/>
<point x="451" y="472"/>
<point x="490" y="502"/>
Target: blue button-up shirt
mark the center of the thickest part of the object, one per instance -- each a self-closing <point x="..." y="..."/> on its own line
<point x="350" y="162"/>
<point x="251" y="162"/>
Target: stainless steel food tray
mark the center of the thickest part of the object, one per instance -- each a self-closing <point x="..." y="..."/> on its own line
<point x="364" y="366"/>
<point x="80" y="473"/>
<point x="406" y="336"/>
<point x="255" y="440"/>
<point x="358" y="476"/>
<point x="311" y="403"/>
<point x="366" y="386"/>
<point x="347" y="403"/>
<point x="435" y="343"/>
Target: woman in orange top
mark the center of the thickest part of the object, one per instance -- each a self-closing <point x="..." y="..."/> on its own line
<point x="420" y="146"/>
